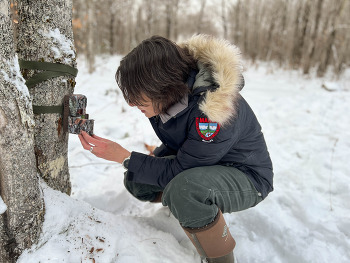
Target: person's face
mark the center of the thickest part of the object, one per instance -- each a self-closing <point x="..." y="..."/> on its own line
<point x="146" y="108"/>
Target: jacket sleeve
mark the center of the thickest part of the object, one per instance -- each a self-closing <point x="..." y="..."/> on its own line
<point x="194" y="152"/>
<point x="162" y="151"/>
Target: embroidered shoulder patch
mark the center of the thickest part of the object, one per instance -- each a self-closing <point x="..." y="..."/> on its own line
<point x="207" y="129"/>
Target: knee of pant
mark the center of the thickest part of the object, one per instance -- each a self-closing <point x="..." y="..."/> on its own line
<point x="177" y="192"/>
<point x="188" y="200"/>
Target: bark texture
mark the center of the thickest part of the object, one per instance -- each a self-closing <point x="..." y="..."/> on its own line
<point x="21" y="223"/>
<point x="45" y="34"/>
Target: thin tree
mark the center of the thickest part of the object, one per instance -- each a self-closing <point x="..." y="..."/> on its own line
<point x="20" y="225"/>
<point x="200" y="16"/>
<point x="295" y="49"/>
<point x="235" y="14"/>
<point x="311" y="52"/>
<point x="45" y="35"/>
<point x="168" y="18"/>
<point x="224" y="18"/>
<point x="175" y="19"/>
<point x="331" y="36"/>
<point x="90" y="48"/>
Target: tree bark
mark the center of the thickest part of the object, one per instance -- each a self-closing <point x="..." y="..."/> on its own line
<point x="296" y="49"/>
<point x="325" y="61"/>
<point x="168" y="18"/>
<point x="200" y="16"/>
<point x="235" y="20"/>
<point x="175" y="21"/>
<point x="150" y="17"/>
<point x="224" y="18"/>
<point x="20" y="225"/>
<point x="90" y="49"/>
<point x="112" y="16"/>
<point x="304" y="26"/>
<point x="311" y="52"/>
<point x="45" y="34"/>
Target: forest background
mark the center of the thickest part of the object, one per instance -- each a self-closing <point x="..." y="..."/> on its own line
<point x="300" y="34"/>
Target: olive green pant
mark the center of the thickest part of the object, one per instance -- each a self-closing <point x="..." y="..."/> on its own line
<point x="195" y="195"/>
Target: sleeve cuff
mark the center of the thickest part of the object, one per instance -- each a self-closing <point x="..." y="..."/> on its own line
<point x="135" y="162"/>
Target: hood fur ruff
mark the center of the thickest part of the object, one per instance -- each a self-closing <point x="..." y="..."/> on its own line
<point x="224" y="61"/>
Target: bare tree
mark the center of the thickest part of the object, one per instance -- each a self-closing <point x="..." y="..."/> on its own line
<point x="140" y="25"/>
<point x="20" y="225"/>
<point x="246" y="28"/>
<point x="150" y="16"/>
<point x="224" y="18"/>
<point x="343" y="50"/>
<point x="171" y="13"/>
<point x="331" y="36"/>
<point x="311" y="52"/>
<point x="175" y="18"/>
<point x="90" y="49"/>
<point x="235" y="14"/>
<point x="200" y="16"/>
<point x="45" y="35"/>
<point x="255" y="32"/>
<point x="168" y="18"/>
<point x="295" y="52"/>
<point x="300" y="34"/>
<point x="280" y="43"/>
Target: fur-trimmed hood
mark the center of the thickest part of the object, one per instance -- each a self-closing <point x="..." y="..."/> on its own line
<point x="219" y="63"/>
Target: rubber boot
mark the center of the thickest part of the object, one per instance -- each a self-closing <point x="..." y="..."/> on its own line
<point x="158" y="198"/>
<point x="213" y="242"/>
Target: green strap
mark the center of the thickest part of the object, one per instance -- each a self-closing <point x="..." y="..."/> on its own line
<point x="47" y="109"/>
<point x="51" y="70"/>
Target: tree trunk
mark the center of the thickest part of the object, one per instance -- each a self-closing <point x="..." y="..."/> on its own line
<point x="175" y="21"/>
<point x="149" y="17"/>
<point x="112" y="33"/>
<point x="325" y="61"/>
<point x="296" y="49"/>
<point x="90" y="49"/>
<point x="140" y="26"/>
<point x="168" y="18"/>
<point x="224" y="18"/>
<point x="304" y="26"/>
<point x="246" y="26"/>
<point x="45" y="34"/>
<point x="200" y="16"/>
<point x="20" y="225"/>
<point x="280" y="40"/>
<point x="236" y="14"/>
<point x="311" y="52"/>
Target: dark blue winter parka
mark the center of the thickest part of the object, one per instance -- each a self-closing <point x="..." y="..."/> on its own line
<point x="212" y="125"/>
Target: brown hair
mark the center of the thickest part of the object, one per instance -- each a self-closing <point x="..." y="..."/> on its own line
<point x="157" y="68"/>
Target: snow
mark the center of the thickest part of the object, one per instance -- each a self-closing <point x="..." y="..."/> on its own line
<point x="62" y="47"/>
<point x="14" y="76"/>
<point x="305" y="219"/>
<point x="3" y="206"/>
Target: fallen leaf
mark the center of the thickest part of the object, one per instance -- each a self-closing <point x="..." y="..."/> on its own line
<point x="150" y="148"/>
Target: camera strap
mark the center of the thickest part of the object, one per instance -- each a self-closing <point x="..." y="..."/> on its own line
<point x="50" y="70"/>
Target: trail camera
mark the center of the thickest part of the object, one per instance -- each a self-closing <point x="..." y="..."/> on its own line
<point x="75" y="117"/>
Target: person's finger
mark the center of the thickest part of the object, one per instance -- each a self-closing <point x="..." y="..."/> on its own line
<point x="85" y="144"/>
<point x="90" y="139"/>
<point x="100" y="138"/>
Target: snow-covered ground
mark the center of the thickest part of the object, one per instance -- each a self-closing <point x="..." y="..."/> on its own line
<point x="305" y="219"/>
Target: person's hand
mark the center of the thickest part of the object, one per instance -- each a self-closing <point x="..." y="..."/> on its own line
<point x="103" y="148"/>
